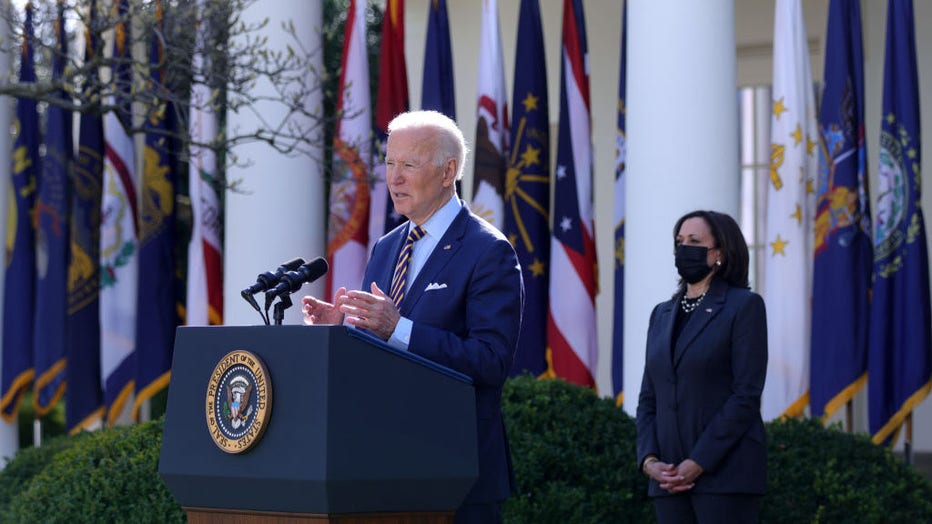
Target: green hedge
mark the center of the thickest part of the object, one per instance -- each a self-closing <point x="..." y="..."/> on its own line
<point x="825" y="475"/>
<point x="104" y="476"/>
<point x="574" y="458"/>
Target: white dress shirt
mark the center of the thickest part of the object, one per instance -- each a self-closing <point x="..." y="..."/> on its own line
<point x="436" y="226"/>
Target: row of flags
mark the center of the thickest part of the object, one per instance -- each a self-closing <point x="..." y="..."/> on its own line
<point x="866" y="323"/>
<point x="79" y="321"/>
<point x="869" y="321"/>
<point x="511" y="178"/>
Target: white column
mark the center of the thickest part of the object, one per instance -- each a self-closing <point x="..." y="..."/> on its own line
<point x="279" y="212"/>
<point x="682" y="131"/>
<point x="9" y="437"/>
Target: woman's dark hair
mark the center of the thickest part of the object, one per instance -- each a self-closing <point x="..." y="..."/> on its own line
<point x="729" y="240"/>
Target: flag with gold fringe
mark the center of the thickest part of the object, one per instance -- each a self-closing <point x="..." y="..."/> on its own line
<point x="527" y="190"/>
<point x="900" y="350"/>
<point x="842" y="245"/>
<point x="20" y="275"/>
<point x="790" y="202"/>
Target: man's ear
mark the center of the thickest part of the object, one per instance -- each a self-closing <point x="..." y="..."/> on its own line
<point x="449" y="172"/>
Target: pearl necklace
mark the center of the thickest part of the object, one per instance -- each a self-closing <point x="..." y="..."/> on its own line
<point x="689" y="304"/>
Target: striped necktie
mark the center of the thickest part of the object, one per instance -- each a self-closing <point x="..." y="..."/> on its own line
<point x="401" y="268"/>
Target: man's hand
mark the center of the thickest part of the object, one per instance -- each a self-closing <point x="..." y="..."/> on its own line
<point x="318" y="312"/>
<point x="373" y="311"/>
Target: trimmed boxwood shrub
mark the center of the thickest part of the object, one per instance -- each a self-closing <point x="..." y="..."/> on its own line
<point x="574" y="459"/>
<point x="104" y="476"/>
<point x="825" y="475"/>
<point x="574" y="456"/>
<point x="29" y="462"/>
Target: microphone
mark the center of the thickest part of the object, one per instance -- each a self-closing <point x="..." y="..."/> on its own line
<point x="293" y="280"/>
<point x="268" y="280"/>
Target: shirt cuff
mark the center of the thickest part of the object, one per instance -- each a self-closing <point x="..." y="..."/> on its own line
<point x="401" y="337"/>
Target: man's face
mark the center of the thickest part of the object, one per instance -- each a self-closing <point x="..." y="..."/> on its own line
<point x="418" y="186"/>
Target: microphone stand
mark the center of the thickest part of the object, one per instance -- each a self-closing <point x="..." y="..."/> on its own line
<point x="284" y="302"/>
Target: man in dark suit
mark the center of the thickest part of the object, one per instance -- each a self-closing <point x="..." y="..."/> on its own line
<point x="445" y="285"/>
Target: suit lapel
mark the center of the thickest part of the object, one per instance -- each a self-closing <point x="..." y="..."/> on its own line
<point x="710" y="306"/>
<point x="668" y="316"/>
<point x="395" y="243"/>
<point x="443" y="253"/>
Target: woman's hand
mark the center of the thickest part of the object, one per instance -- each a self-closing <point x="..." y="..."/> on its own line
<point x="681" y="478"/>
<point x="674" y="479"/>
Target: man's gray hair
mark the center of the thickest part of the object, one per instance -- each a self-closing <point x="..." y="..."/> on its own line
<point x="450" y="140"/>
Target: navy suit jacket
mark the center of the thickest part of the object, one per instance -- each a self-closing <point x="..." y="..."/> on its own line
<point x="471" y="325"/>
<point x="701" y="398"/>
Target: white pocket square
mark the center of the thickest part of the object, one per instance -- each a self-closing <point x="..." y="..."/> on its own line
<point x="433" y="285"/>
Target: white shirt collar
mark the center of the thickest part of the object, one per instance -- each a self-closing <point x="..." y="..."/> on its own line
<point x="440" y="221"/>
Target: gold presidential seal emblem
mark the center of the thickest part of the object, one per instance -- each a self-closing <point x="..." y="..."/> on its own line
<point x="239" y="401"/>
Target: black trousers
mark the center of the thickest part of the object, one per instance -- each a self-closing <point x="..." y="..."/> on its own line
<point x="707" y="508"/>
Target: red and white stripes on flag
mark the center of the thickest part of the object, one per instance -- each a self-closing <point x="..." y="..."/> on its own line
<point x="492" y="122"/>
<point x="391" y="100"/>
<point x="205" y="251"/>
<point x="348" y="224"/>
<point x="571" y="329"/>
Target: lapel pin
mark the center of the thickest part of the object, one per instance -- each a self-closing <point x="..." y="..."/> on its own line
<point x="446" y="247"/>
<point x="708" y="310"/>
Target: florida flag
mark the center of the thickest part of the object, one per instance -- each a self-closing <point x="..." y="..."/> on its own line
<point x="571" y="330"/>
<point x="348" y="225"/>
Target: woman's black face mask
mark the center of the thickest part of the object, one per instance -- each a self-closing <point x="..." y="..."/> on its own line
<point x="692" y="262"/>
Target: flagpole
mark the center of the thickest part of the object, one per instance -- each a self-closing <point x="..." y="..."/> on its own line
<point x="849" y="416"/>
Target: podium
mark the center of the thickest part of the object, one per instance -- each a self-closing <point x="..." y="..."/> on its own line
<point x="354" y="431"/>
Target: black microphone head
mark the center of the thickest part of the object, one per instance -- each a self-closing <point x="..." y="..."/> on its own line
<point x="268" y="280"/>
<point x="292" y="264"/>
<point x="314" y="269"/>
<point x="293" y="280"/>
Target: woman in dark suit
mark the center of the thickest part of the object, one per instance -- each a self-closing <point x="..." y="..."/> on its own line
<point x="701" y="440"/>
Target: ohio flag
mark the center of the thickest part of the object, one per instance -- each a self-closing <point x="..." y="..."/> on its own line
<point x="571" y="330"/>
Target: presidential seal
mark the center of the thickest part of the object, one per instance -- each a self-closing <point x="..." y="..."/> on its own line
<point x="239" y="401"/>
